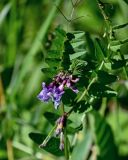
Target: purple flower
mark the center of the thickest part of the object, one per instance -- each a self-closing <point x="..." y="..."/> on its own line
<point x="45" y="94"/>
<point x="74" y="89"/>
<point x="57" y="95"/>
<point x="52" y="91"/>
<point x="71" y="83"/>
<point x="67" y="80"/>
<point x="55" y="90"/>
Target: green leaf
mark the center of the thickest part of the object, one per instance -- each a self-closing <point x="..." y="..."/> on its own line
<point x="68" y="97"/>
<point x="117" y="44"/>
<point x="72" y="130"/>
<point x="120" y="137"/>
<point x="121" y="25"/>
<point x="106" y="78"/>
<point x="100" y="90"/>
<point x="4" y="12"/>
<point x="116" y="64"/>
<point x="6" y="76"/>
<point x="8" y="125"/>
<point x="82" y="149"/>
<point x="98" y="50"/>
<point x="103" y="137"/>
<point x="52" y="145"/>
<point x="108" y="65"/>
<point x="126" y="1"/>
<point x="109" y="92"/>
<point x="115" y="48"/>
<point x="51" y="117"/>
<point x="90" y="45"/>
<point x="77" y="44"/>
<point x="78" y="67"/>
<point x="56" y="54"/>
<point x="78" y="34"/>
<point x="58" y="42"/>
<point x="77" y="55"/>
<point x="81" y="106"/>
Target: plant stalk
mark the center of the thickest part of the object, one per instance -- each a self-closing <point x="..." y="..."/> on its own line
<point x="10" y="150"/>
<point x="66" y="150"/>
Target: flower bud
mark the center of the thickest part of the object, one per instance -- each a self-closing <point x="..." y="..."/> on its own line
<point x="61" y="147"/>
<point x="60" y="125"/>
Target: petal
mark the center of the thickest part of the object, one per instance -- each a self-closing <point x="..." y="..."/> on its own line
<point x="43" y="96"/>
<point x="61" y="87"/>
<point x="56" y="104"/>
<point x="68" y="84"/>
<point x="75" y="80"/>
<point x="74" y="89"/>
<point x="43" y="84"/>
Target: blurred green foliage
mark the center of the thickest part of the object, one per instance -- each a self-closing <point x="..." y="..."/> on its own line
<point x="27" y="30"/>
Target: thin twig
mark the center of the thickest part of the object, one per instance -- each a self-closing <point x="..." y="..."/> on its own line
<point x="63" y="14"/>
<point x="43" y="144"/>
<point x="72" y="3"/>
<point x="76" y="3"/>
<point x="66" y="144"/>
<point x="106" y="18"/>
<point x="2" y="96"/>
<point x="63" y="108"/>
<point x="78" y="18"/>
<point x="72" y="13"/>
<point x="10" y="150"/>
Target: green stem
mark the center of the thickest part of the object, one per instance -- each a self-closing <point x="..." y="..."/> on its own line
<point x="125" y="72"/>
<point x="86" y="90"/>
<point x="106" y="18"/>
<point x="66" y="150"/>
<point x="48" y="137"/>
<point x="12" y="35"/>
<point x="66" y="146"/>
<point x="10" y="150"/>
<point x="100" y="67"/>
<point x="124" y="69"/>
<point x="117" y="120"/>
<point x="103" y="106"/>
<point x="2" y="96"/>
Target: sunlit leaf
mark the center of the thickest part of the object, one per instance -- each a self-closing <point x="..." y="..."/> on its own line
<point x="103" y="137"/>
<point x="82" y="149"/>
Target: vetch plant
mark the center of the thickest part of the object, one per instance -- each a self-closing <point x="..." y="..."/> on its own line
<point x="65" y="85"/>
<point x="80" y="82"/>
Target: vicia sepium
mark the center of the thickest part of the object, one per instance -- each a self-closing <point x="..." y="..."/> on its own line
<point x="55" y="89"/>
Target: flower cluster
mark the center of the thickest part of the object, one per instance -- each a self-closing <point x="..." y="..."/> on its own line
<point x="55" y="89"/>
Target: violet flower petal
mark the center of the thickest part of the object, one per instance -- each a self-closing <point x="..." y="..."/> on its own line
<point x="74" y="89"/>
<point x="57" y="95"/>
<point x="44" y="95"/>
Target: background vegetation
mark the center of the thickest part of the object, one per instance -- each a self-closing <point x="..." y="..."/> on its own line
<point x="27" y="29"/>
